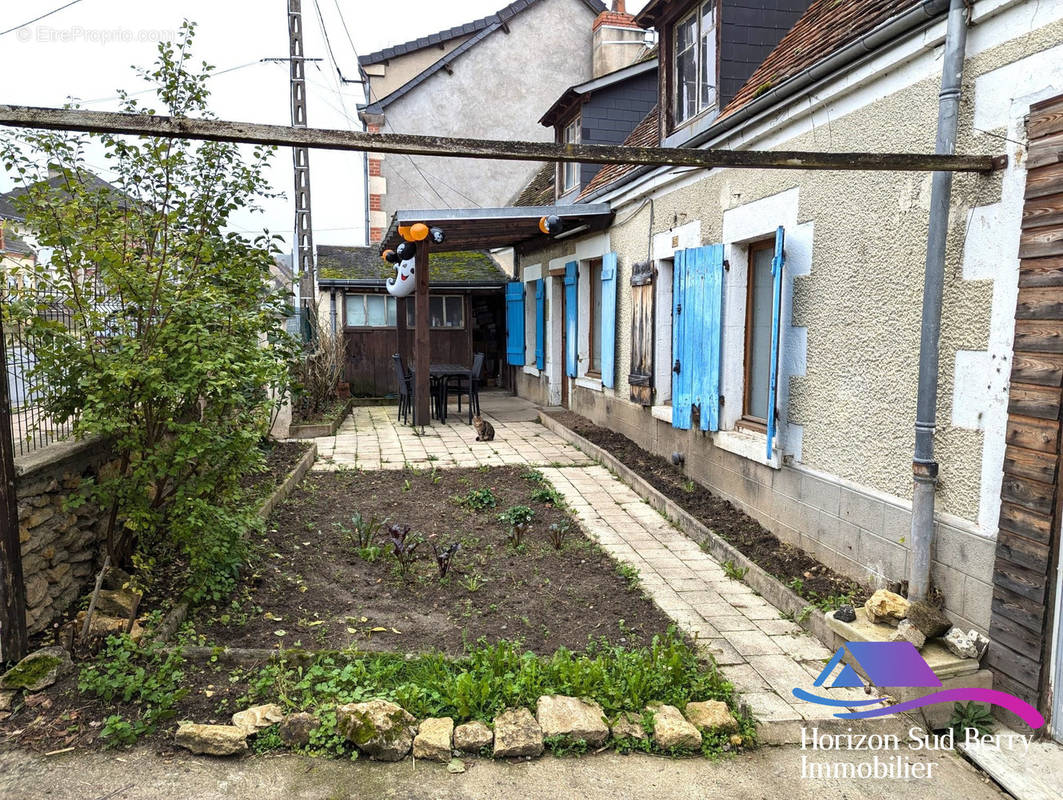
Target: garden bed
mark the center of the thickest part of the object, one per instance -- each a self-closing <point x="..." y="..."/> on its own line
<point x="799" y="571"/>
<point x="323" y="423"/>
<point x="311" y="585"/>
<point x="281" y="459"/>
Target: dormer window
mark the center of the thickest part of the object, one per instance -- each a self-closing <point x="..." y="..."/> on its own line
<point x="570" y="170"/>
<point x="695" y="62"/>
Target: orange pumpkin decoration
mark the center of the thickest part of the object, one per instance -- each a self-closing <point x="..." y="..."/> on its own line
<point x="418" y="232"/>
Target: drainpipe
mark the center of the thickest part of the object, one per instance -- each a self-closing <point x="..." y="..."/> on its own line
<point x="924" y="467"/>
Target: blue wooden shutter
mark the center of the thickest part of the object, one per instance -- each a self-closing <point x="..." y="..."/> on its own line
<point x="540" y="324"/>
<point x="515" y="323"/>
<point x="571" y="320"/>
<point x="608" y="339"/>
<point x="776" y="318"/>
<point x="697" y="336"/>
<point x="707" y="380"/>
<point x="680" y="372"/>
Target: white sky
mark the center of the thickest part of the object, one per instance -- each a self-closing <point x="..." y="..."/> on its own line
<point x="86" y="52"/>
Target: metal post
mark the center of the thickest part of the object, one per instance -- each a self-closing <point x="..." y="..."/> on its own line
<point x="924" y="467"/>
<point x="421" y="343"/>
<point x="13" y="641"/>
<point x="304" y="232"/>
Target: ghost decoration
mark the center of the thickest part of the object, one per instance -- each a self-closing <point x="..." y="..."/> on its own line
<point x="405" y="280"/>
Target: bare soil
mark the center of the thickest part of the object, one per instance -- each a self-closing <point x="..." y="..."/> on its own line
<point x="311" y="586"/>
<point x="791" y="565"/>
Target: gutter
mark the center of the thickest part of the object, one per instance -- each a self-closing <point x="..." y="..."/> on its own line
<point x="920" y="15"/>
<point x="362" y="283"/>
<point x="924" y="467"/>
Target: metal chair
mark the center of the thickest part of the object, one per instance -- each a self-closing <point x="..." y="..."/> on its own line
<point x="471" y="387"/>
<point x="405" y="390"/>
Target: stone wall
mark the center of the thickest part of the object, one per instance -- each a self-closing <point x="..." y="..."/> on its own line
<point x="60" y="544"/>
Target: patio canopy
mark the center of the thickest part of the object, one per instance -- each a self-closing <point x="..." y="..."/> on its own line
<point x="486" y="228"/>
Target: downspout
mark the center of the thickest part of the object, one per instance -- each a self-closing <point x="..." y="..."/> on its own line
<point x="924" y="467"/>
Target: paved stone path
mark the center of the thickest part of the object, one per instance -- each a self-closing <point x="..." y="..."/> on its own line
<point x="764" y="655"/>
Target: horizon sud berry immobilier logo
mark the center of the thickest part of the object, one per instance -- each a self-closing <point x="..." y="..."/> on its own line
<point x="896" y="665"/>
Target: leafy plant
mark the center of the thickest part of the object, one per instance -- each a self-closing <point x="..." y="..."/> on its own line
<point x="548" y="495"/>
<point x="518" y="518"/>
<point x="473" y="583"/>
<point x="149" y="679"/>
<point x="970" y="715"/>
<point x="797" y="584"/>
<point x="734" y="572"/>
<point x="533" y="475"/>
<point x="364" y="529"/>
<point x="563" y="745"/>
<point x="558" y="532"/>
<point x="477" y="499"/>
<point x="630" y="574"/>
<point x="444" y="555"/>
<point x="689" y="486"/>
<point x="172" y="348"/>
<point x="403" y="547"/>
<point x="369" y="554"/>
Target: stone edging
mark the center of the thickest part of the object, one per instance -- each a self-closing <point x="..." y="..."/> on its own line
<point x="318" y="429"/>
<point x="758" y="579"/>
<point x="172" y="621"/>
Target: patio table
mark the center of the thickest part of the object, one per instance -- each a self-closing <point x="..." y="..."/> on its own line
<point x="440" y="375"/>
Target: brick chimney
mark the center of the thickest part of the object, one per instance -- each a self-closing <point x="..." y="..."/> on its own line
<point x="616" y="40"/>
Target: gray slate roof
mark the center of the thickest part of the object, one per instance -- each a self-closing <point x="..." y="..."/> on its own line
<point x="480" y="32"/>
<point x="91" y="181"/>
<point x="15" y="246"/>
<point x="473" y="267"/>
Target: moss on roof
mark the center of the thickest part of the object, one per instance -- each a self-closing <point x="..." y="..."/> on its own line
<point x="365" y="263"/>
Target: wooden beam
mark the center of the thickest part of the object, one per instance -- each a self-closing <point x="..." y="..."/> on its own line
<point x="331" y="139"/>
<point x="13" y="640"/>
<point x="421" y="343"/>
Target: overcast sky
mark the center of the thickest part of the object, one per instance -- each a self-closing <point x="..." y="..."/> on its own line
<point x="87" y="51"/>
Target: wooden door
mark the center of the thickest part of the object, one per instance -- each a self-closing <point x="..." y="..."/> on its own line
<point x="640" y="379"/>
<point x="564" y="349"/>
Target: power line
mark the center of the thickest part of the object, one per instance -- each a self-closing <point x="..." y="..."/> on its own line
<point x="328" y="45"/>
<point x="151" y="91"/>
<point x="38" y="19"/>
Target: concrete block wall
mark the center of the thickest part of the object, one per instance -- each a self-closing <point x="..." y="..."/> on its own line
<point x="59" y="543"/>
<point x="857" y="532"/>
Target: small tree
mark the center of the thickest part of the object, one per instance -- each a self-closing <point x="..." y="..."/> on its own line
<point x="176" y="352"/>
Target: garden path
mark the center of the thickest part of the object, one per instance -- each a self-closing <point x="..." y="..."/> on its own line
<point x="764" y="655"/>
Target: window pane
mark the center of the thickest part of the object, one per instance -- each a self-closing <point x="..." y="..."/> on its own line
<point x="686" y="68"/>
<point x="376" y="310"/>
<point x="435" y="311"/>
<point x="708" y="56"/>
<point x="596" y="318"/>
<point x="392" y="312"/>
<point x="759" y="356"/>
<point x="355" y="310"/>
<point x="571" y="170"/>
<point x="454" y="308"/>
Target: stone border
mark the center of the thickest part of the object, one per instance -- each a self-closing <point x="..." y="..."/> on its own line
<point x="172" y="621"/>
<point x="319" y="429"/>
<point x="758" y="579"/>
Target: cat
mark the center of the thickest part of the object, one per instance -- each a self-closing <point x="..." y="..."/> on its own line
<point x="485" y="432"/>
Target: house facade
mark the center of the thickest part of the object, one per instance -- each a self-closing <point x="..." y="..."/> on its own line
<point x="488" y="79"/>
<point x="662" y="326"/>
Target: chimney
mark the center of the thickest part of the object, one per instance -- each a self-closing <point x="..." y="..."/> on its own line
<point x="616" y="40"/>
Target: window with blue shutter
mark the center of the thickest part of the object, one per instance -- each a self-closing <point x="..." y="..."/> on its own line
<point x="777" y="262"/>
<point x="540" y="324"/>
<point x="515" y="323"/>
<point x="697" y="317"/>
<point x="571" y="318"/>
<point x="609" y="320"/>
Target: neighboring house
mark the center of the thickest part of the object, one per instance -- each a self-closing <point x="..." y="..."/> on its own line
<point x="465" y="304"/>
<point x="487" y="79"/>
<point x="825" y="462"/>
<point x="16" y="257"/>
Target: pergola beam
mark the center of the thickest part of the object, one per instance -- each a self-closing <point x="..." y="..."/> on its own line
<point x="332" y="139"/>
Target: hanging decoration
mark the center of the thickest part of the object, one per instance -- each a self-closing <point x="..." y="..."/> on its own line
<point x="438" y="237"/>
<point x="418" y="232"/>
<point x="406" y="250"/>
<point x="390" y="256"/>
<point x="405" y="280"/>
<point x="551" y="225"/>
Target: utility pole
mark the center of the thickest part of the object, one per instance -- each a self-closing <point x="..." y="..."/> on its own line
<point x="304" y="231"/>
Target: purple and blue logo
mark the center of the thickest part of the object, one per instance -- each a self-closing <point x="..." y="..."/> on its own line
<point x="899" y="664"/>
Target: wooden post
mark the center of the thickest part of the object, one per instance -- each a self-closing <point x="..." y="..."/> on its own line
<point x="421" y="343"/>
<point x="13" y="641"/>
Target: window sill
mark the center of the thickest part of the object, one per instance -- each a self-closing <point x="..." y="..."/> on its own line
<point x="593" y="384"/>
<point x="663" y="413"/>
<point x="748" y="444"/>
<point x="533" y="371"/>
